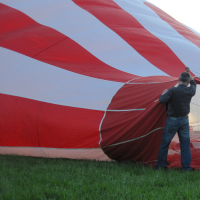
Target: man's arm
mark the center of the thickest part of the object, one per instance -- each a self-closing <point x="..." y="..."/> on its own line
<point x="192" y="82"/>
<point x="165" y="97"/>
<point x="193" y="86"/>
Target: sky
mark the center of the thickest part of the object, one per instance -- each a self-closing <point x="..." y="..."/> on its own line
<point x="185" y="11"/>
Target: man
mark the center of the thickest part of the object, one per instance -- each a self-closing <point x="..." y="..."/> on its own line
<point x="178" y="99"/>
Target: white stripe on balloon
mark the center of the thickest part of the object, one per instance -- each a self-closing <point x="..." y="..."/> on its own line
<point x="26" y="77"/>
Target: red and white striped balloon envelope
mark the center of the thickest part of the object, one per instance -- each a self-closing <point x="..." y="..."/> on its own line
<point x="81" y="79"/>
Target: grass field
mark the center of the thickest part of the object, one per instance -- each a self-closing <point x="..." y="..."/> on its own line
<point x="41" y="178"/>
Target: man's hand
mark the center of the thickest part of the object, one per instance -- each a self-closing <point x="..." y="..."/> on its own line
<point x="187" y="69"/>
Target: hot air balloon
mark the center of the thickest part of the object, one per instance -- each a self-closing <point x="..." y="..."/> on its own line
<point x="81" y="79"/>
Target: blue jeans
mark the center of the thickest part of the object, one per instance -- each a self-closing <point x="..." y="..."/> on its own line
<point x="181" y="126"/>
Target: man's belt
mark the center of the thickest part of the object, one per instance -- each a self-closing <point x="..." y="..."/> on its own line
<point x="176" y="116"/>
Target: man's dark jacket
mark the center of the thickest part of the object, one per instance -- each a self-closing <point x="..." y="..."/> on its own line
<point x="178" y="99"/>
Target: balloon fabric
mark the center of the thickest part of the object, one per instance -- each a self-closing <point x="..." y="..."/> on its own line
<point x="81" y="79"/>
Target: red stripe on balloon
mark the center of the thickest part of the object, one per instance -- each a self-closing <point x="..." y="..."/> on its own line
<point x="29" y="123"/>
<point x="22" y="34"/>
<point x="180" y="28"/>
<point x="127" y="27"/>
<point x="18" y="121"/>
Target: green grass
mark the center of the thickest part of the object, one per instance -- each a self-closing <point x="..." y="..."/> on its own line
<point x="41" y="178"/>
